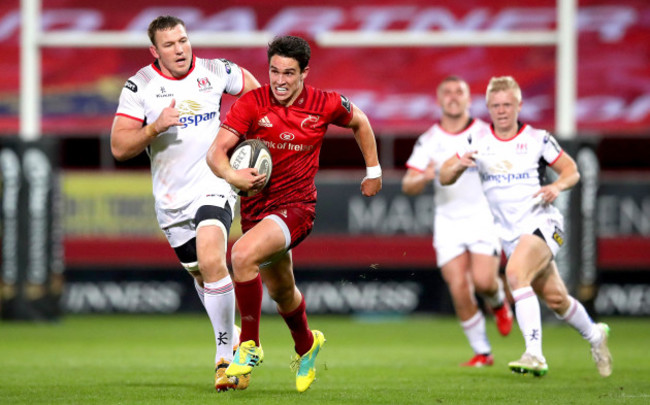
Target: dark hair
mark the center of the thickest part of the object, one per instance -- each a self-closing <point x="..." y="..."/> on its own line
<point x="290" y="47"/>
<point x="164" y="22"/>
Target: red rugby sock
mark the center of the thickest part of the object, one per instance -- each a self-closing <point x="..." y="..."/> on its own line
<point x="249" y="301"/>
<point x="297" y="322"/>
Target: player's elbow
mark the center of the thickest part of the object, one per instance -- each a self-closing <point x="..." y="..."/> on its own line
<point x="446" y="179"/>
<point x="569" y="180"/>
<point x="119" y="153"/>
<point x="409" y="189"/>
<point x="576" y="178"/>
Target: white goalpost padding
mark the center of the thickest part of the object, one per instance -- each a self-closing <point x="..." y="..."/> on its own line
<point x="122" y="39"/>
<point x="437" y="39"/>
<point x="564" y="38"/>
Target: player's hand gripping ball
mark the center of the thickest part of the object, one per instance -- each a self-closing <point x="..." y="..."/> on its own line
<point x="252" y="153"/>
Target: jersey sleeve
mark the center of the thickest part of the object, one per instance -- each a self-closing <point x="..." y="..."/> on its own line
<point x="340" y="109"/>
<point x="233" y="74"/>
<point x="241" y="117"/>
<point x="551" y="150"/>
<point x="131" y="103"/>
<point x="419" y="159"/>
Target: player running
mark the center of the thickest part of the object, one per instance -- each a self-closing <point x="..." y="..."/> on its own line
<point x="170" y="108"/>
<point x="510" y="157"/>
<point x="291" y="118"/>
<point x="467" y="245"/>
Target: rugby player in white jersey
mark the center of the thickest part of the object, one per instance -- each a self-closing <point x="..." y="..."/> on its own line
<point x="170" y="108"/>
<point x="511" y="158"/>
<point x="467" y="245"/>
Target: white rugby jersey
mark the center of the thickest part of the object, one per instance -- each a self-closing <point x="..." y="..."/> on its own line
<point x="511" y="172"/>
<point x="463" y="198"/>
<point x="178" y="166"/>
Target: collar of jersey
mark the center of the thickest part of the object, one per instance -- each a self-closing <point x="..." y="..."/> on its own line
<point x="470" y="122"/>
<point x="520" y="128"/>
<point x="156" y="67"/>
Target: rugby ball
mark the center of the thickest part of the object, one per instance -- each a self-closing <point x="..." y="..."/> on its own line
<point x="252" y="153"/>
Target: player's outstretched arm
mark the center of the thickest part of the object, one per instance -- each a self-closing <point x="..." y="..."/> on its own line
<point x="414" y="181"/>
<point x="129" y="138"/>
<point x="365" y="138"/>
<point x="454" y="167"/>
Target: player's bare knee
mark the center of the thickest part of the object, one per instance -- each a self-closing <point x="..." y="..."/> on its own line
<point x="243" y="257"/>
<point x="238" y="258"/>
<point x="485" y="285"/>
<point x="213" y="268"/>
<point x="557" y="302"/>
<point x="460" y="289"/>
<point x="456" y="280"/>
<point x="514" y="278"/>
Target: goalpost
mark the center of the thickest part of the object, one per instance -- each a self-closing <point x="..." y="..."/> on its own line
<point x="564" y="38"/>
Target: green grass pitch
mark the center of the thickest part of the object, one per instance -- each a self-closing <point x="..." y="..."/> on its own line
<point x="168" y="359"/>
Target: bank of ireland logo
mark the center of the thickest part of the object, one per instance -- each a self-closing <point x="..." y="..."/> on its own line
<point x="287" y="136"/>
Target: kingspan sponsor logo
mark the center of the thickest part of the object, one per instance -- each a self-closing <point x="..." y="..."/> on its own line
<point x="500" y="173"/>
<point x="504" y="177"/>
<point x="191" y="114"/>
<point x="197" y="119"/>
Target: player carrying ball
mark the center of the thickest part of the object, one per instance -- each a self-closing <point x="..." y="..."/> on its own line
<point x="291" y="118"/>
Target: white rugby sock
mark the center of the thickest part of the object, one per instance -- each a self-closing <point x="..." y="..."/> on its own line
<point x="474" y="329"/>
<point x="496" y="300"/>
<point x="220" y="306"/>
<point x="199" y="291"/>
<point x="579" y="319"/>
<point x="529" y="318"/>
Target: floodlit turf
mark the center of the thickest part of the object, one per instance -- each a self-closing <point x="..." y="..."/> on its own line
<point x="169" y="360"/>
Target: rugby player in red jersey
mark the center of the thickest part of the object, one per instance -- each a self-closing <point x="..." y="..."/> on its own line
<point x="291" y="118"/>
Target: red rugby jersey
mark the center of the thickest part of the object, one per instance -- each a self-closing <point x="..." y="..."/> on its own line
<point x="294" y="136"/>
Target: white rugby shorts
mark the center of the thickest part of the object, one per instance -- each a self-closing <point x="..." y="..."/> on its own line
<point x="549" y="225"/>
<point x="453" y="236"/>
<point x="180" y="226"/>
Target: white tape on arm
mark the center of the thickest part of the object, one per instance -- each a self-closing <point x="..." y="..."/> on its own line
<point x="373" y="172"/>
